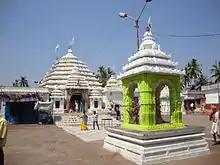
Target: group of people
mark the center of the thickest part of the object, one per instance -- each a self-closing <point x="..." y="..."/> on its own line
<point x="84" y="122"/>
<point x="78" y="107"/>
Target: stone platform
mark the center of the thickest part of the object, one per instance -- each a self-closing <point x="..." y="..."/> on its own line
<point x="151" y="147"/>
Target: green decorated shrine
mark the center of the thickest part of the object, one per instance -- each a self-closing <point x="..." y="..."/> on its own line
<point x="150" y="70"/>
<point x="150" y="86"/>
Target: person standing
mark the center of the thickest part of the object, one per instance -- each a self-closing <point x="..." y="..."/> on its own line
<point x="76" y="106"/>
<point x="192" y="107"/>
<point x="215" y="117"/>
<point x="81" y="107"/>
<point x="95" y="120"/>
<point x="118" y="114"/>
<point x="83" y="125"/>
<point x="3" y="137"/>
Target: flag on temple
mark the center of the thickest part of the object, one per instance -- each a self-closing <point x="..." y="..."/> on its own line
<point x="57" y="47"/>
<point x="149" y="25"/>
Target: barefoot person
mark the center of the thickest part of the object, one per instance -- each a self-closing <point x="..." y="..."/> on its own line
<point x="215" y="124"/>
<point x="3" y="137"/>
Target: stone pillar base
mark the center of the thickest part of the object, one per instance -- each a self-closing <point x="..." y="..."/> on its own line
<point x="151" y="147"/>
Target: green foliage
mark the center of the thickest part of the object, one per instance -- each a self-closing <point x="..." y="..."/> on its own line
<point x="215" y="71"/>
<point x="193" y="78"/>
<point x="23" y="82"/>
<point x="103" y="74"/>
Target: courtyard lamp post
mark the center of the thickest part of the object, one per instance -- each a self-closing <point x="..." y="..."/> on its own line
<point x="136" y="21"/>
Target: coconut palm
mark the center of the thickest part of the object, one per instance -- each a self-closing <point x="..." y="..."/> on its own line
<point x="201" y="81"/>
<point x="185" y="79"/>
<point x="194" y="70"/>
<point x="103" y="74"/>
<point x="23" y="82"/>
<point x="16" y="83"/>
<point x="215" y="71"/>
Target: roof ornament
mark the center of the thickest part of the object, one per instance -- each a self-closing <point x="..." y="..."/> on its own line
<point x="56" y="49"/>
<point x="71" y="43"/>
<point x="149" y="25"/>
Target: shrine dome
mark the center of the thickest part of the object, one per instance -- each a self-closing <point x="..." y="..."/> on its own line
<point x="70" y="72"/>
<point x="150" y="59"/>
<point x="112" y="81"/>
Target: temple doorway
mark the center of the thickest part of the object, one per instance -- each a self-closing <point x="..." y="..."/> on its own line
<point x="165" y="104"/>
<point x="76" y="97"/>
<point x="162" y="104"/>
<point x="135" y="107"/>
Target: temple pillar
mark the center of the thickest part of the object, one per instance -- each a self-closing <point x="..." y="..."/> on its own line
<point x="147" y="105"/>
<point x="127" y="104"/>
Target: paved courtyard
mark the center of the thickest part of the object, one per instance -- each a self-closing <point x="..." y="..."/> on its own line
<point x="49" y="145"/>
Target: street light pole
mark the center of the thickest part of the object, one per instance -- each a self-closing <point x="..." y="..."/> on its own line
<point x="136" y="20"/>
<point x="137" y="33"/>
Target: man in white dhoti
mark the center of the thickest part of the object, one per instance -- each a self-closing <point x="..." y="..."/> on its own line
<point x="215" y="124"/>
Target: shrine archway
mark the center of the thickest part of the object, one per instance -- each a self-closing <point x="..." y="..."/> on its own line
<point x="135" y="107"/>
<point x="161" y="117"/>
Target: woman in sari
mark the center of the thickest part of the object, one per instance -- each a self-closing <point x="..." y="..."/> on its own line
<point x="83" y="125"/>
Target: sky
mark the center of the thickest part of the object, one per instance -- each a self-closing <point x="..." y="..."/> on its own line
<point x="31" y="29"/>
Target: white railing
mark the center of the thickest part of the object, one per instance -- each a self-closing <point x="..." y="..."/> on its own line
<point x="24" y="89"/>
<point x="211" y="87"/>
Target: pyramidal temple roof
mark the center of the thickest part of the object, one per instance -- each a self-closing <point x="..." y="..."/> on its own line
<point x="150" y="59"/>
<point x="70" y="72"/>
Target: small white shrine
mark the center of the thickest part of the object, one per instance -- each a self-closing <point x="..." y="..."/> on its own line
<point x="57" y="98"/>
<point x="95" y="101"/>
<point x="112" y="93"/>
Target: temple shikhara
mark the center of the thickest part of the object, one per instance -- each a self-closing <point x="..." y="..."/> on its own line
<point x="73" y="78"/>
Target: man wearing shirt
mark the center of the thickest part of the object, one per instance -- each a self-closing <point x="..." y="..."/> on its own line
<point x="95" y="120"/>
<point x="3" y="137"/>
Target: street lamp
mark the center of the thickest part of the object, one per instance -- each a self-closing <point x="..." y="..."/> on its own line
<point x="136" y="21"/>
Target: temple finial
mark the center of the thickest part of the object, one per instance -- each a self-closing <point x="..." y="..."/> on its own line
<point x="71" y="43"/>
<point x="149" y="24"/>
<point x="56" y="48"/>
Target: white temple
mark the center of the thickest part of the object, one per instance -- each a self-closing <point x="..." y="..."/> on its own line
<point x="74" y="79"/>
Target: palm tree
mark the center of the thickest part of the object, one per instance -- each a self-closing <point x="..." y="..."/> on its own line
<point x="215" y="71"/>
<point x="110" y="72"/>
<point x="185" y="79"/>
<point x="23" y="82"/>
<point x="16" y="83"/>
<point x="104" y="74"/>
<point x="194" y="70"/>
<point x="201" y="81"/>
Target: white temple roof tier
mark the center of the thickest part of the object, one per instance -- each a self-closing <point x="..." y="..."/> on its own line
<point x="70" y="72"/>
<point x="56" y="93"/>
<point x="95" y="93"/>
<point x="150" y="59"/>
<point x="112" y="82"/>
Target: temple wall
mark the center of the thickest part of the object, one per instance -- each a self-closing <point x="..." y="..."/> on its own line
<point x="212" y="98"/>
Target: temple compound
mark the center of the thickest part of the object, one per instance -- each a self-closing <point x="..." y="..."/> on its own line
<point x="146" y="136"/>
